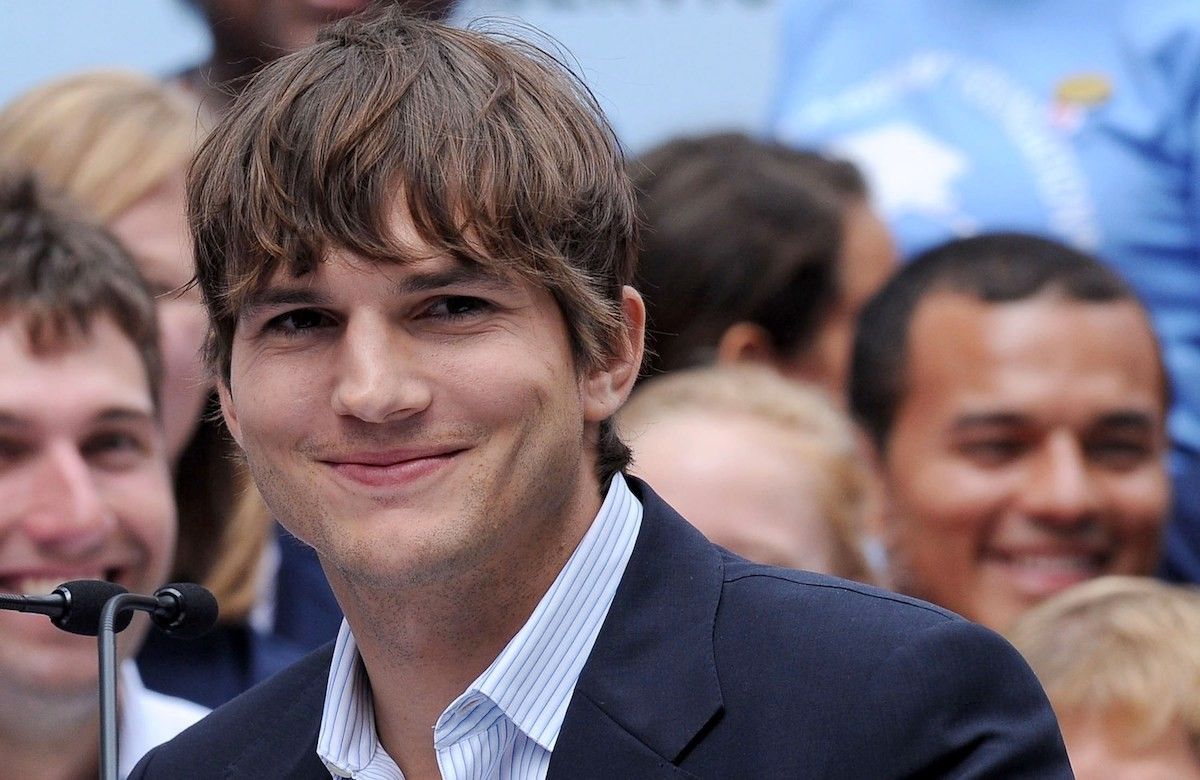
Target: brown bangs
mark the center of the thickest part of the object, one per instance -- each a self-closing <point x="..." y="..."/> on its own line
<point x="499" y="155"/>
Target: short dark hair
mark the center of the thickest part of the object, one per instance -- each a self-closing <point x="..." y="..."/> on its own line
<point x="499" y="154"/>
<point x="994" y="268"/>
<point x="59" y="273"/>
<point x="737" y="230"/>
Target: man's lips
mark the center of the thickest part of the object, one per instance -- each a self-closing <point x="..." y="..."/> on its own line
<point x="392" y="468"/>
<point x="44" y="581"/>
<point x="1043" y="572"/>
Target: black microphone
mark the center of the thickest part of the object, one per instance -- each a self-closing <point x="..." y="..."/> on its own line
<point x="185" y="610"/>
<point x="74" y="606"/>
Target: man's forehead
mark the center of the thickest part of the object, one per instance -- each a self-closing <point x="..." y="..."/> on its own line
<point x="973" y="353"/>
<point x="402" y="274"/>
<point x="97" y="375"/>
<point x="951" y="325"/>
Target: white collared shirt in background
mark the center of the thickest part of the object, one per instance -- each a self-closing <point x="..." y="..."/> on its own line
<point x="148" y="718"/>
<point x="506" y="723"/>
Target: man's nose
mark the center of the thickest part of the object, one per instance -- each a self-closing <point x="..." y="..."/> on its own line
<point x="68" y="512"/>
<point x="1062" y="488"/>
<point x="378" y="377"/>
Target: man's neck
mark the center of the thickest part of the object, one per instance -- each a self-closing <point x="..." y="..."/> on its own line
<point x="432" y="642"/>
<point x="59" y="745"/>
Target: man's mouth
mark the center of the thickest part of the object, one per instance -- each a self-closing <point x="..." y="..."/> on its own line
<point x="42" y="582"/>
<point x="392" y="468"/>
<point x="1041" y="573"/>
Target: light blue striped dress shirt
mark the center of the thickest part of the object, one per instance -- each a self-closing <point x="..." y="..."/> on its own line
<point x="506" y="723"/>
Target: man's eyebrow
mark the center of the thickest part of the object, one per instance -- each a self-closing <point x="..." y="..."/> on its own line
<point x="460" y="273"/>
<point x="1129" y="418"/>
<point x="990" y="420"/>
<point x="419" y="282"/>
<point x="125" y="414"/>
<point x="112" y="414"/>
<point x="1124" y="418"/>
<point x="282" y="296"/>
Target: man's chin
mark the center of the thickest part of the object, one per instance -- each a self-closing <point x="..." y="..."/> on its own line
<point x="56" y="667"/>
<point x="418" y="564"/>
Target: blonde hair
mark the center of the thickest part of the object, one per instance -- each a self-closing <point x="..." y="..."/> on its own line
<point x="107" y="139"/>
<point x="1126" y="648"/>
<point x="759" y="393"/>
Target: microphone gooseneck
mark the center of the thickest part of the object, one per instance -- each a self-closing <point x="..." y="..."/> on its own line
<point x="182" y="608"/>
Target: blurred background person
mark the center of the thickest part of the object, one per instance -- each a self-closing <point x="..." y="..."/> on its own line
<point x="1120" y="660"/>
<point x="1016" y="402"/>
<point x="1067" y="119"/>
<point x="754" y="252"/>
<point x="762" y="466"/>
<point x="85" y="487"/>
<point x="119" y="144"/>
<point x="247" y="34"/>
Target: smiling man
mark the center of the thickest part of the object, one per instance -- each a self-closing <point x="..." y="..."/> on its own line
<point x="416" y="244"/>
<point x="1017" y="400"/>
<point x="84" y="485"/>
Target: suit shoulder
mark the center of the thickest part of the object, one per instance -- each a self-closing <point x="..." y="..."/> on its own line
<point x="785" y="617"/>
<point x="284" y="708"/>
<point x="881" y="678"/>
<point x="804" y="597"/>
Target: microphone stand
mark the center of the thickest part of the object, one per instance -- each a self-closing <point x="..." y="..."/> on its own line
<point x="108" y="675"/>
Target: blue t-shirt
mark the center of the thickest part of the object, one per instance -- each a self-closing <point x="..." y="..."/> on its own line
<point x="1078" y="120"/>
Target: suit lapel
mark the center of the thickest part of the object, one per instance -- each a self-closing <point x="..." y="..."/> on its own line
<point x="287" y="748"/>
<point x="650" y="684"/>
<point x="598" y="748"/>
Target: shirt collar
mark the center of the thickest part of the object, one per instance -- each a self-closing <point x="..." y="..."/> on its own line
<point x="533" y="678"/>
<point x="347" y="741"/>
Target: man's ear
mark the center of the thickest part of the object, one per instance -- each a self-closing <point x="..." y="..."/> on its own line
<point x="876" y="520"/>
<point x="605" y="389"/>
<point x="746" y="342"/>
<point x="879" y="531"/>
<point x="228" y="411"/>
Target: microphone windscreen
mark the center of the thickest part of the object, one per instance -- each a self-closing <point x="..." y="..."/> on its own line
<point x="85" y="601"/>
<point x="195" y="614"/>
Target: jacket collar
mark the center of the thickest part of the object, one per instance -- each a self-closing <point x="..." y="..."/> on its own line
<point x="650" y="684"/>
<point x="287" y="746"/>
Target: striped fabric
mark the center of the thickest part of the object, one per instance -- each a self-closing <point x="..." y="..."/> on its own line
<point x="506" y="723"/>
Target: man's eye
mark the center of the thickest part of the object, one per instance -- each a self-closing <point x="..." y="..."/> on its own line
<point x="115" y="441"/>
<point x="457" y="306"/>
<point x="993" y="451"/>
<point x="115" y="448"/>
<point x="12" y="450"/>
<point x="296" y="321"/>
<point x="1118" y="453"/>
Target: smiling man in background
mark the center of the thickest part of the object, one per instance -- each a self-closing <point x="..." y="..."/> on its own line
<point x="1016" y="398"/>
<point x="85" y="491"/>
<point x="416" y="244"/>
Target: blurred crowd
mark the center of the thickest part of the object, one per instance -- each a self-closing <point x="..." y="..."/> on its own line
<point x="937" y="331"/>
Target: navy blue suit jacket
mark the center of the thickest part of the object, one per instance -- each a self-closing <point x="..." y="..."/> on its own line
<point x="712" y="667"/>
<point x="216" y="667"/>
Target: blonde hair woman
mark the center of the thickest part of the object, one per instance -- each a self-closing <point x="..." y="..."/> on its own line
<point x="1120" y="660"/>
<point x="764" y="466"/>
<point x="118" y="144"/>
